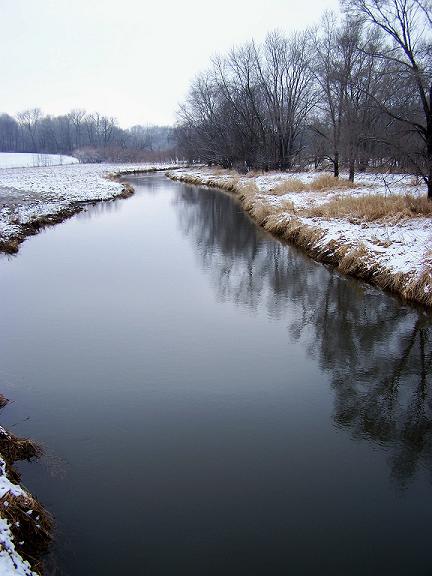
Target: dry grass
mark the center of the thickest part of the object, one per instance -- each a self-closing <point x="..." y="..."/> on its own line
<point x="126" y="192"/>
<point x="260" y="212"/>
<point x="229" y="185"/>
<point x="356" y="261"/>
<point x="374" y="207"/>
<point x="291" y="185"/>
<point x="9" y="246"/>
<point x="322" y="183"/>
<point x="13" y="448"/>
<point x="254" y="173"/>
<point x="219" y="171"/>
<point x="327" y="182"/>
<point x="31" y="530"/>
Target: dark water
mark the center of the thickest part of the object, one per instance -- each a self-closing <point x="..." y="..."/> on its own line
<point x="213" y="402"/>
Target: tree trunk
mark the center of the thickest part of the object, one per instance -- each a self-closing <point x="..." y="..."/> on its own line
<point x="336" y="164"/>
<point x="351" y="170"/>
<point x="429" y="155"/>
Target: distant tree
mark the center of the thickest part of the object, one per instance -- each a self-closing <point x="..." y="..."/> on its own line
<point x="9" y="133"/>
<point x="76" y="117"/>
<point x="29" y="123"/>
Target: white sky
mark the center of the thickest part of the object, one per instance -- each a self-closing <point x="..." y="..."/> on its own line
<point x="131" y="59"/>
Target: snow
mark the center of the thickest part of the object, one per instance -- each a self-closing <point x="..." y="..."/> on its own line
<point x="6" y="486"/>
<point x="24" y="159"/>
<point x="397" y="247"/>
<point x="28" y="193"/>
<point x="11" y="563"/>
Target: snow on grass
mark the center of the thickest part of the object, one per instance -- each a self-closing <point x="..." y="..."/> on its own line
<point x="24" y="159"/>
<point x="29" y="193"/>
<point x="11" y="563"/>
<point x="397" y="251"/>
<point x="6" y="486"/>
<point x="402" y="248"/>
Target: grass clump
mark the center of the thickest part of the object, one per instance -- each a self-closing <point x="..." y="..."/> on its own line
<point x="327" y="182"/>
<point x="286" y="186"/>
<point x="13" y="448"/>
<point x="322" y="183"/>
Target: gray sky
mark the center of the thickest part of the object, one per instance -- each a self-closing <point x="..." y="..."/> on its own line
<point x="132" y="59"/>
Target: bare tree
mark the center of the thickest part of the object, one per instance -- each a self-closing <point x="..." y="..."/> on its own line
<point x="287" y="84"/>
<point x="29" y="121"/>
<point x="407" y="25"/>
<point x="76" y="117"/>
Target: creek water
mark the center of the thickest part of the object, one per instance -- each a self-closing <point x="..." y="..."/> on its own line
<point x="212" y="401"/>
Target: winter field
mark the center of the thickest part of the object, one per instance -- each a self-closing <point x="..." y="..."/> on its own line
<point x="29" y="160"/>
<point x="30" y="196"/>
<point x="380" y="229"/>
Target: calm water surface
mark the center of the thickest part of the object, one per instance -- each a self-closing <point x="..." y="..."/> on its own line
<point x="213" y="402"/>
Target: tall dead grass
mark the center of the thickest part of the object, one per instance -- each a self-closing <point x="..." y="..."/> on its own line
<point x="322" y="183"/>
<point x="374" y="207"/>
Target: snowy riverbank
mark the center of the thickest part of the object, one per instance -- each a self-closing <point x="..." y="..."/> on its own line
<point x="25" y="527"/>
<point x="31" y="198"/>
<point x="380" y="230"/>
<point x="11" y="561"/>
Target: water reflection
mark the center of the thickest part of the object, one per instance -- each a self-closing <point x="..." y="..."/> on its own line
<point x="377" y="350"/>
<point x="93" y="210"/>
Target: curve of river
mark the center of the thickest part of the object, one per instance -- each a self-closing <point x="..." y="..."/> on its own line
<point x="212" y="401"/>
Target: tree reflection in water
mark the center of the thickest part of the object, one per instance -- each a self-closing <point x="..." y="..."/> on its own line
<point x="377" y="350"/>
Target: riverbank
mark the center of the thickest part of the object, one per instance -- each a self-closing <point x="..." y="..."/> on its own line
<point x="378" y="230"/>
<point x="33" y="198"/>
<point x="25" y="526"/>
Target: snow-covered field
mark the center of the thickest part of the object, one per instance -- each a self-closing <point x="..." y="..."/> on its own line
<point x="393" y="254"/>
<point x="26" y="160"/>
<point x="30" y="193"/>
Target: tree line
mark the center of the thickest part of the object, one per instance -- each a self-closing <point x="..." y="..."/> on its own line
<point x="92" y="137"/>
<point x="353" y="93"/>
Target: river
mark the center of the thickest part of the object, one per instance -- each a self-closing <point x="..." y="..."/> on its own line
<point x="212" y="401"/>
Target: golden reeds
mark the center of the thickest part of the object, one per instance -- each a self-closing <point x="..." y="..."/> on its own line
<point x="374" y="207"/>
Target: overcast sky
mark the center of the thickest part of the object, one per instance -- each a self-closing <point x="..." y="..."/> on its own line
<point x="131" y="59"/>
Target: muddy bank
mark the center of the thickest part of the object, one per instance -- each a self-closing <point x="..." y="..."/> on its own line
<point x="394" y="255"/>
